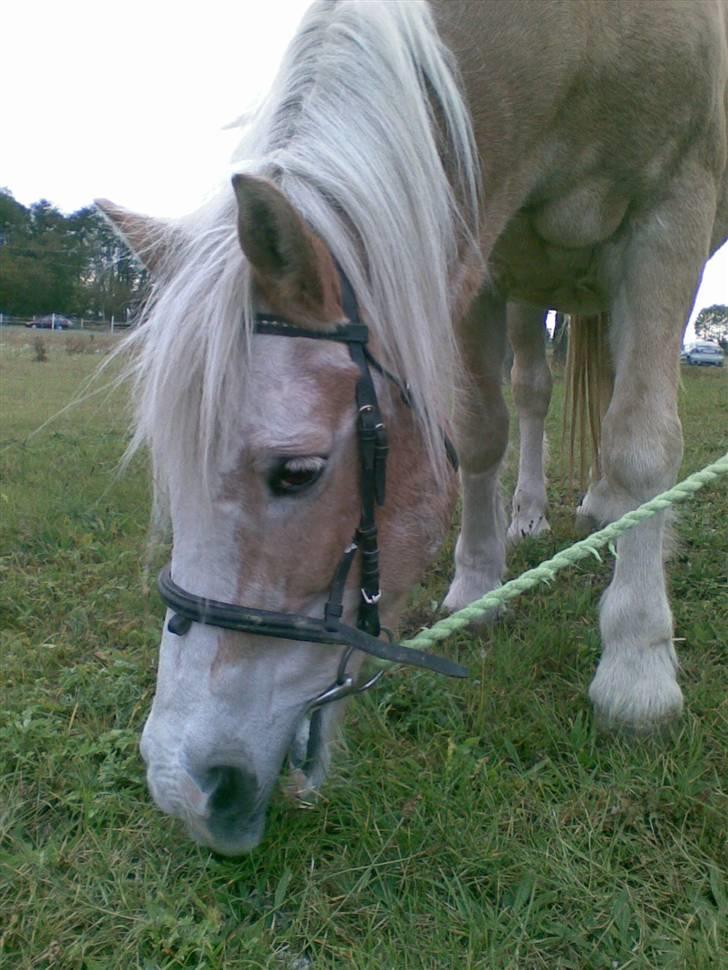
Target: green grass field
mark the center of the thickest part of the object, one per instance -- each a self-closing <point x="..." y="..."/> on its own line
<point x="482" y="824"/>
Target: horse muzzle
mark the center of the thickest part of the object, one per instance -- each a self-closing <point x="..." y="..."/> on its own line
<point x="223" y="806"/>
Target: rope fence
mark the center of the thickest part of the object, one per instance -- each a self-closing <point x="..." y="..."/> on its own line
<point x="546" y="571"/>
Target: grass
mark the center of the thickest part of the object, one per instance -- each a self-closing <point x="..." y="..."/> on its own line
<point x="482" y="824"/>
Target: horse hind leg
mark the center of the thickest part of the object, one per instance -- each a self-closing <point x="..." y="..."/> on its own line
<point x="481" y="432"/>
<point x="635" y="685"/>
<point x="531" y="386"/>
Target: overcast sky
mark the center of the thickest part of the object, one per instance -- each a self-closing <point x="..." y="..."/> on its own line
<point x="130" y="100"/>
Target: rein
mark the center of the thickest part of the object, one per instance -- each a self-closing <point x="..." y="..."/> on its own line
<point x="187" y="608"/>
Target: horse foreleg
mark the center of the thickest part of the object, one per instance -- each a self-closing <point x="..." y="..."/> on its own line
<point x="531" y="385"/>
<point x="655" y="277"/>
<point x="481" y="431"/>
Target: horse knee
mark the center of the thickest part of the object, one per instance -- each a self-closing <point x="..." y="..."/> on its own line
<point x="641" y="452"/>
<point x="531" y="391"/>
<point x="482" y="438"/>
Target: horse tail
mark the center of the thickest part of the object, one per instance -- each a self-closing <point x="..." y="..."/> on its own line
<point x="588" y="381"/>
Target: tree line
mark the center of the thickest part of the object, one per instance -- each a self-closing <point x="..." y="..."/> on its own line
<point x="73" y="264"/>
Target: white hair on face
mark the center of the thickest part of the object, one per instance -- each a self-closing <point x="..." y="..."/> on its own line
<point x="367" y="134"/>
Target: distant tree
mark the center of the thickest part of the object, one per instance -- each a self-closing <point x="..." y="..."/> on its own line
<point x="712" y="323"/>
<point x="13" y="217"/>
<point x="36" y="275"/>
<point x="114" y="282"/>
<point x="74" y="265"/>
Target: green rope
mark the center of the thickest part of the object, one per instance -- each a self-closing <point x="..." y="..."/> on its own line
<point x="567" y="557"/>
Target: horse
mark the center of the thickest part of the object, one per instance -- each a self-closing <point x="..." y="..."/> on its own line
<point x="339" y="313"/>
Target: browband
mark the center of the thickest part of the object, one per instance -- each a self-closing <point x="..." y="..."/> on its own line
<point x="345" y="333"/>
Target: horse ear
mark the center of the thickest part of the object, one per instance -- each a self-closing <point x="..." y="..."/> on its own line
<point x="292" y="268"/>
<point x="147" y="238"/>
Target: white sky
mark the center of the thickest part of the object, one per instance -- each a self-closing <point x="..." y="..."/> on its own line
<point x="129" y="100"/>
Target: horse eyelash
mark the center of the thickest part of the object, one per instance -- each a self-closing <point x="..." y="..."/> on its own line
<point x="315" y="465"/>
<point x="303" y="464"/>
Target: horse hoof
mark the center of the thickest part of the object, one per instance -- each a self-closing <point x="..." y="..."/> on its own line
<point x="641" y="698"/>
<point x="460" y="596"/>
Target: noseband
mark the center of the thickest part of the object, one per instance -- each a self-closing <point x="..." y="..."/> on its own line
<point x="329" y="629"/>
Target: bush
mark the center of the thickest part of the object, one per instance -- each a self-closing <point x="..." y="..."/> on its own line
<point x="40" y="350"/>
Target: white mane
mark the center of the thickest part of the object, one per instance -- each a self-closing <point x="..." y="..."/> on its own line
<point x="366" y="132"/>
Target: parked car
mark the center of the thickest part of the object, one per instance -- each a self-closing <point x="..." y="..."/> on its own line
<point x="53" y="321"/>
<point x="704" y="354"/>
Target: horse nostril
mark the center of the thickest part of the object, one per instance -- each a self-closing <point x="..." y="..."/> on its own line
<point x="232" y="790"/>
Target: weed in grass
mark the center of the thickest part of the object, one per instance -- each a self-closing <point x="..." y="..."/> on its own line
<point x="40" y="351"/>
<point x="79" y="344"/>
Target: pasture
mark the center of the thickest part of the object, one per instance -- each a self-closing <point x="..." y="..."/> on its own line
<point x="482" y="824"/>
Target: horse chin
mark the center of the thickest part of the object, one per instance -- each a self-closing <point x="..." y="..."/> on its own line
<point x="228" y="832"/>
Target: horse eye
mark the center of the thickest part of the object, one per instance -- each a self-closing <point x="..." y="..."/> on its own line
<point x="294" y="475"/>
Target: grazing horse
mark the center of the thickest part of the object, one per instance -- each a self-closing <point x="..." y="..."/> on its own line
<point x="414" y="167"/>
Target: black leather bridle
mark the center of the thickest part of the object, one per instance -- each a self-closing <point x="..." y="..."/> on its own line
<point x="328" y="629"/>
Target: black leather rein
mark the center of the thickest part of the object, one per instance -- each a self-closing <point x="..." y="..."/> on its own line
<point x="328" y="629"/>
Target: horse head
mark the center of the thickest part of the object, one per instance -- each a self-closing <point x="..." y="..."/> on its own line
<point x="262" y="517"/>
